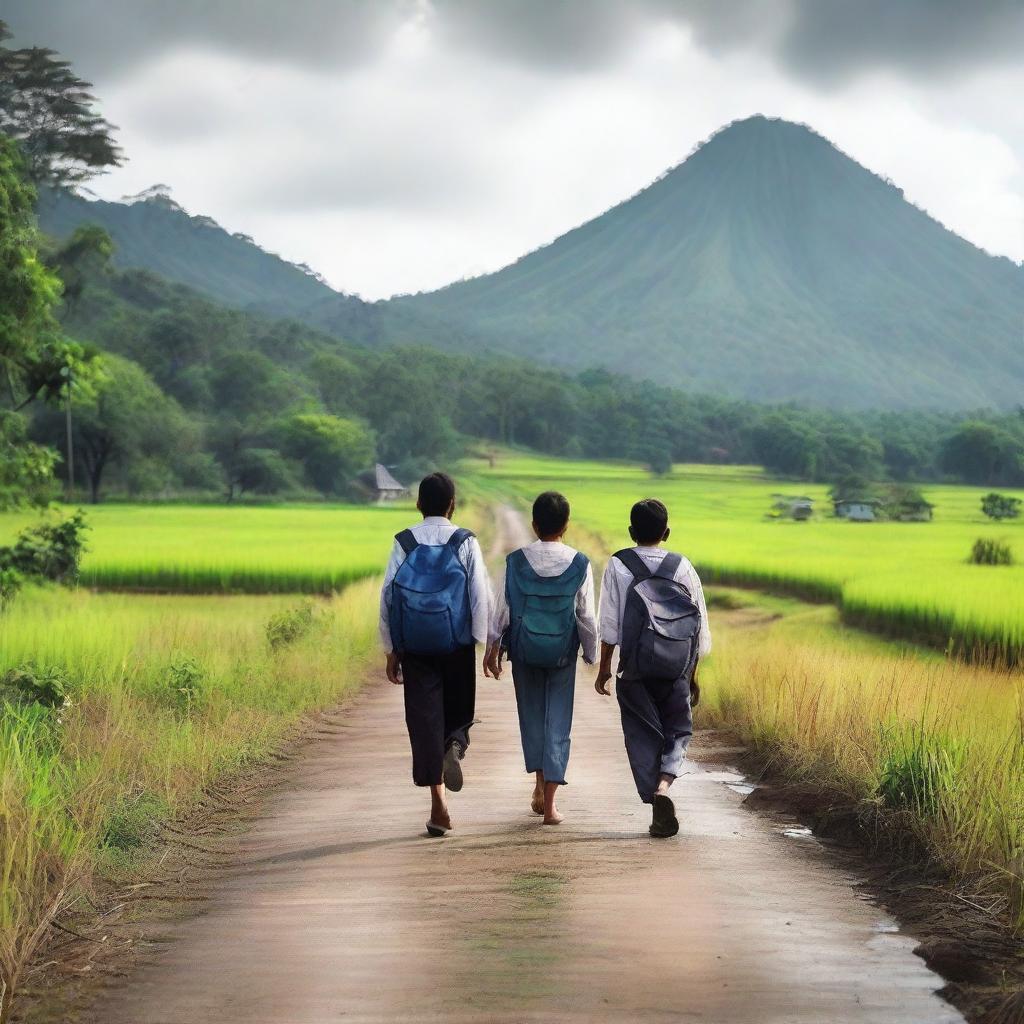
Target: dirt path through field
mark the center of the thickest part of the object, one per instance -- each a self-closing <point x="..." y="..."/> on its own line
<point x="339" y="910"/>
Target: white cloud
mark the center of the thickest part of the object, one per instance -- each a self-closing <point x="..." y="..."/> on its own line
<point x="429" y="159"/>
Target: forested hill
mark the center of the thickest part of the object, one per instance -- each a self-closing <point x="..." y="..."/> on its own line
<point x="152" y="232"/>
<point x="767" y="265"/>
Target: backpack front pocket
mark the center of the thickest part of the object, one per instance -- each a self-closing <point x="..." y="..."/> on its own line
<point x="546" y="631"/>
<point x="427" y="626"/>
<point x="668" y="641"/>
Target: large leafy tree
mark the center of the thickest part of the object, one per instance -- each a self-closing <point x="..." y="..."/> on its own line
<point x="125" y="423"/>
<point x="52" y="114"/>
<point x="35" y="359"/>
<point x="983" y="453"/>
<point x="332" y="449"/>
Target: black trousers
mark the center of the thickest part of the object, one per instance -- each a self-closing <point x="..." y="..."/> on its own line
<point x="440" y="701"/>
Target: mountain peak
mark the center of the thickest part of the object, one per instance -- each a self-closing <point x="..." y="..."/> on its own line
<point x="768" y="265"/>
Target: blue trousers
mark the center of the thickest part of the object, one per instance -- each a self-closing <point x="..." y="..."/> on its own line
<point x="657" y="725"/>
<point x="544" y="697"/>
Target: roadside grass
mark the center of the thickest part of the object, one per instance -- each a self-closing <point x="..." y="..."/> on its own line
<point x="927" y="750"/>
<point x="165" y="695"/>
<point x="906" y="579"/>
<point x="212" y="549"/>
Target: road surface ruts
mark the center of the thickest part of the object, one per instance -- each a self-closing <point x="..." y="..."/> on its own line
<point x="340" y="910"/>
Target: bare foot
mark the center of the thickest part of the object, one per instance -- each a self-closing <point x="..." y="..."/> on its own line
<point x="442" y="818"/>
<point x="553" y="817"/>
<point x="537" y="803"/>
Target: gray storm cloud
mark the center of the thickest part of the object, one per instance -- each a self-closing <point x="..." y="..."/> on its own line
<point x="401" y="144"/>
<point x="822" y="39"/>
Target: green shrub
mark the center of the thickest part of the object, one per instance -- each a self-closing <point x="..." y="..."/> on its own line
<point x="10" y="584"/>
<point x="49" y="550"/>
<point x="45" y="685"/>
<point x="1000" y="506"/>
<point x="920" y="770"/>
<point x="183" y="683"/>
<point x="293" y="624"/>
<point x="132" y="823"/>
<point x="989" y="551"/>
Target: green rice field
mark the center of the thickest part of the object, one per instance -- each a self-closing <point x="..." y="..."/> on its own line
<point x="232" y="549"/>
<point x="908" y="579"/>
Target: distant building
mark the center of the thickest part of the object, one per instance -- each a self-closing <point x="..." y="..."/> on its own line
<point x="799" y="508"/>
<point x="388" y="488"/>
<point x="857" y="510"/>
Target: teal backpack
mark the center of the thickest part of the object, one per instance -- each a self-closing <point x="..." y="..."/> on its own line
<point x="542" y="612"/>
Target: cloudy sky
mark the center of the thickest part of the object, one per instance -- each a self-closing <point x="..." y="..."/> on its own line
<point x="397" y="145"/>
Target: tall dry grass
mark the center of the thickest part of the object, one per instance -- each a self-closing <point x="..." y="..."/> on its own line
<point x="930" y="749"/>
<point x="166" y="694"/>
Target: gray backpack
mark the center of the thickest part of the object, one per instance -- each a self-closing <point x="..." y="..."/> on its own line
<point x="660" y="623"/>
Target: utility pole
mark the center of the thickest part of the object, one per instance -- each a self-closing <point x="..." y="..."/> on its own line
<point x="66" y="374"/>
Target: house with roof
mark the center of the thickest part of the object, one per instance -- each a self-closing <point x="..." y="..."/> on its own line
<point x="857" y="510"/>
<point x="387" y="487"/>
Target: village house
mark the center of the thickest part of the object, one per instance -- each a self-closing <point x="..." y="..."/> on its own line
<point x="857" y="510"/>
<point x="388" y="488"/>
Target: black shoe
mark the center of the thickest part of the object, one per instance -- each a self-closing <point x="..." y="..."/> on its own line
<point x="664" y="823"/>
<point x="452" y="773"/>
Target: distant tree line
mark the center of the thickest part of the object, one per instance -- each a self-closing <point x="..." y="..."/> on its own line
<point x="193" y="397"/>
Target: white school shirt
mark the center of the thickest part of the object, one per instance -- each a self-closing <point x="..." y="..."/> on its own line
<point x="552" y="558"/>
<point x="615" y="584"/>
<point x="438" y="530"/>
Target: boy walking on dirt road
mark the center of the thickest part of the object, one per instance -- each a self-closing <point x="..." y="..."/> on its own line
<point x="434" y="608"/>
<point x="652" y="608"/>
<point x="541" y="618"/>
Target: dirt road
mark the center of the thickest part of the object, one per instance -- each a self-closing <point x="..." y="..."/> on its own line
<point x="340" y="909"/>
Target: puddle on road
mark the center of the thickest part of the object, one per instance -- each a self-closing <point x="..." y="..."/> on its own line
<point x="743" y="788"/>
<point x="799" y="832"/>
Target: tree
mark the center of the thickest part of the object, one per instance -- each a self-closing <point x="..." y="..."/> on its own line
<point x="1000" y="506"/>
<point x="128" y="423"/>
<point x="786" y="446"/>
<point x="26" y="469"/>
<point x="333" y="450"/>
<point x="982" y="453"/>
<point x="50" y="111"/>
<point x="262" y="471"/>
<point x="86" y="254"/>
<point x="35" y="359"/>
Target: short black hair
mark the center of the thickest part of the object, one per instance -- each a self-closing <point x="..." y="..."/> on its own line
<point x="649" y="519"/>
<point x="550" y="513"/>
<point x="437" y="492"/>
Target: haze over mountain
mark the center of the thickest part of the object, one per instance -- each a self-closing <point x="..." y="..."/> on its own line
<point x="768" y="265"/>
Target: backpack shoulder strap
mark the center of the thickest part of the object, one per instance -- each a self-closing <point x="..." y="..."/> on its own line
<point x="669" y="566"/>
<point x="459" y="537"/>
<point x="408" y="542"/>
<point x="634" y="563"/>
<point x="577" y="569"/>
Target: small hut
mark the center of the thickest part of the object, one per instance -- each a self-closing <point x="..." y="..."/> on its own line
<point x="388" y="488"/>
<point x="857" y="510"/>
<point x="801" y="509"/>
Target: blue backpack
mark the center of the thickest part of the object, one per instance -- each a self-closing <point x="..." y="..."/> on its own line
<point x="542" y="612"/>
<point x="430" y="609"/>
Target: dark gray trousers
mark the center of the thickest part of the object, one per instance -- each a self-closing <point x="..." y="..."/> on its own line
<point x="440" y="700"/>
<point x="657" y="725"/>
